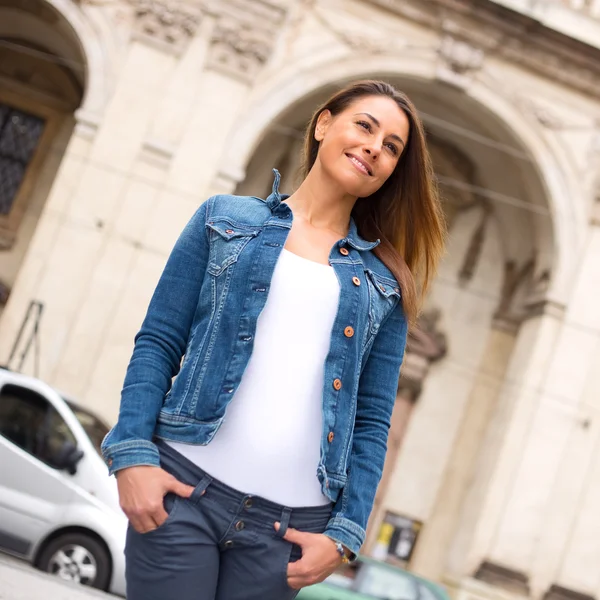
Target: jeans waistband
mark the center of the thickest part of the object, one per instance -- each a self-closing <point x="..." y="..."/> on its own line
<point x="185" y="470"/>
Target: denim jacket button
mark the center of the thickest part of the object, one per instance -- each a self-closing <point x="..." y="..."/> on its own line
<point x="330" y="437"/>
<point x="109" y="462"/>
<point x="229" y="231"/>
<point x="349" y="332"/>
<point x="344" y="251"/>
<point x="337" y="384"/>
<point x="356" y="281"/>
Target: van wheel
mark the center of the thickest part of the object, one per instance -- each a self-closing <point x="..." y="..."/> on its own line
<point x="77" y="557"/>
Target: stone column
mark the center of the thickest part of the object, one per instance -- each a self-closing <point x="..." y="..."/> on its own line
<point x="72" y="251"/>
<point x="480" y="545"/>
<point x="130" y="181"/>
<point x="432" y="550"/>
<point x="426" y="345"/>
<point x="533" y="503"/>
<point x="239" y="37"/>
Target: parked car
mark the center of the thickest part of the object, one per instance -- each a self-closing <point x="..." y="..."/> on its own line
<point x="368" y="579"/>
<point x="58" y="508"/>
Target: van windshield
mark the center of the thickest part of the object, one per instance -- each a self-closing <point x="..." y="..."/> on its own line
<point x="92" y="425"/>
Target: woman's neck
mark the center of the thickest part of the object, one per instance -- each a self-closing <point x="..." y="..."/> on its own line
<point x="322" y="203"/>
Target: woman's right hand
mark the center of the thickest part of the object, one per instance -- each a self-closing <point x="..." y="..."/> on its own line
<point x="141" y="493"/>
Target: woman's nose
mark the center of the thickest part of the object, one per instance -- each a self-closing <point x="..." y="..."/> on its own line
<point x="372" y="152"/>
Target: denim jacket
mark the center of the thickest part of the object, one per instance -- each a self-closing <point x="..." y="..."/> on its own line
<point x="197" y="336"/>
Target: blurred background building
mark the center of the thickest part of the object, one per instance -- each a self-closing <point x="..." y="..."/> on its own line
<point x="119" y="117"/>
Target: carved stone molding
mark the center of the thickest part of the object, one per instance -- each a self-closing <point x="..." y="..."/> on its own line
<point x="426" y="344"/>
<point x="503" y="577"/>
<point x="500" y="31"/>
<point x="359" y="39"/>
<point x="557" y="592"/>
<point x="170" y="23"/>
<point x="458" y="61"/>
<point x="473" y="253"/>
<point x="244" y="36"/>
<point x="518" y="278"/>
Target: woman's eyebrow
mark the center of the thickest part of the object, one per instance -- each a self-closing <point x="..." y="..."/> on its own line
<point x="378" y="124"/>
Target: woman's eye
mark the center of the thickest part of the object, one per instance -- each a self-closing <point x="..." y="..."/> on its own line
<point x="393" y="148"/>
<point x="364" y="125"/>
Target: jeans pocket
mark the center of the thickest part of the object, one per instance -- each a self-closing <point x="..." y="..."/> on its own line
<point x="170" y="503"/>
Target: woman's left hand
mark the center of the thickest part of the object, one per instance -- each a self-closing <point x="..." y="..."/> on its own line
<point x="320" y="558"/>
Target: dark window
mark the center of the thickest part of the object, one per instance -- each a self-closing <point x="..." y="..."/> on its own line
<point x="92" y="425"/>
<point x="28" y="420"/>
<point x="20" y="133"/>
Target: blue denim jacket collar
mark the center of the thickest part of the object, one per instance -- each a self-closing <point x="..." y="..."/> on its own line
<point x="352" y="239"/>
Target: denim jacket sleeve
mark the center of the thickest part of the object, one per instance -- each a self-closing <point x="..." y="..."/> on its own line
<point x="159" y="347"/>
<point x="375" y="401"/>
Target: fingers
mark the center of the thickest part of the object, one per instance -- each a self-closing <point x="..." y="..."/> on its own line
<point x="300" y="574"/>
<point x="296" y="569"/>
<point x="142" y="523"/>
<point x="319" y="559"/>
<point x="160" y="516"/>
<point x="293" y="535"/>
<point x="178" y="487"/>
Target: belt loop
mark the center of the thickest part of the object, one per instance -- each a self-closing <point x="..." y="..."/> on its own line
<point x="286" y="513"/>
<point x="201" y="488"/>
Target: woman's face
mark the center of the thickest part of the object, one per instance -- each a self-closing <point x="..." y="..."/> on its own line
<point x="361" y="146"/>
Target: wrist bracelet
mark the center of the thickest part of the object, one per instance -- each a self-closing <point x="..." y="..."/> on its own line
<point x="342" y="552"/>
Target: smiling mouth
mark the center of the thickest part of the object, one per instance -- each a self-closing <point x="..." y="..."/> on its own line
<point x="359" y="164"/>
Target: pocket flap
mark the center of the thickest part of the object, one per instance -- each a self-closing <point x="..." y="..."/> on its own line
<point x="384" y="285"/>
<point x="228" y="231"/>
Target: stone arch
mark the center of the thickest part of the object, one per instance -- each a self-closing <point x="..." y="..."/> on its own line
<point x="556" y="182"/>
<point x="54" y="66"/>
<point x="95" y="38"/>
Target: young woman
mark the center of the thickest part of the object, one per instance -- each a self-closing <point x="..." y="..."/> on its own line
<point x="255" y="410"/>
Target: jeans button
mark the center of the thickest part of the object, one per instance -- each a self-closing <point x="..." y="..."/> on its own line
<point x="228" y="544"/>
<point x="248" y="502"/>
<point x="239" y="525"/>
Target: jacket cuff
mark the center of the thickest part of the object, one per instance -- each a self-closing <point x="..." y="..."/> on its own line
<point x="133" y="453"/>
<point x="347" y="532"/>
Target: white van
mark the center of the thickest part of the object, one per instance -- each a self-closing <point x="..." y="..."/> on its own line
<point x="58" y="507"/>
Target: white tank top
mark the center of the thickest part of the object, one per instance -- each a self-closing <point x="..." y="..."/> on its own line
<point x="269" y="443"/>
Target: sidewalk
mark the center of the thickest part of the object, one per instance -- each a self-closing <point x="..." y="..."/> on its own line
<point x="19" y="581"/>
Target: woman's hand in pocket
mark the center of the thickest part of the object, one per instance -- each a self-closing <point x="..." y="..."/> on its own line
<point x="141" y="493"/>
<point x="320" y="558"/>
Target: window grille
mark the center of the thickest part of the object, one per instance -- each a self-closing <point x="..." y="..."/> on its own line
<point x="20" y="134"/>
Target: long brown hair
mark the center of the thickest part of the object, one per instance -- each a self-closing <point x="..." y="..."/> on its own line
<point x="405" y="213"/>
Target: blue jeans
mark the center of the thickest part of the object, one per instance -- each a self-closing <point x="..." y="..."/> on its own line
<point x="219" y="544"/>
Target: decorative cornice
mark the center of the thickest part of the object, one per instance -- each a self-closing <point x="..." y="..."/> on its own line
<point x="170" y="23"/>
<point x="244" y="36"/>
<point x="458" y="60"/>
<point x="497" y="30"/>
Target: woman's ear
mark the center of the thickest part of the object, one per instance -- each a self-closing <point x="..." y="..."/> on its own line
<point x="323" y="122"/>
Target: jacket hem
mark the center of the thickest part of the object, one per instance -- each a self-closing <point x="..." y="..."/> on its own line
<point x="132" y="453"/>
<point x="348" y="533"/>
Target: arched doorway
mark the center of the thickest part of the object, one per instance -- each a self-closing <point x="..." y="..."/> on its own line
<point x="505" y="257"/>
<point x="43" y="76"/>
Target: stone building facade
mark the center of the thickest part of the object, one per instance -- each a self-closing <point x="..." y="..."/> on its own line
<point x="118" y="117"/>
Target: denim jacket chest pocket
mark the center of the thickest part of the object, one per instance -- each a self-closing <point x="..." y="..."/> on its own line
<point x="226" y="241"/>
<point x="384" y="294"/>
